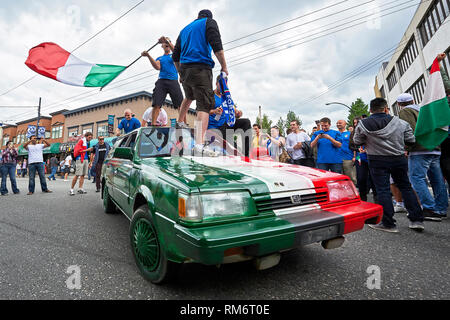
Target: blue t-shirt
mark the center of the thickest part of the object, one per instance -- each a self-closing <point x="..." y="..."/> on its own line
<point x="194" y="45"/>
<point x="213" y="123"/>
<point x="344" y="152"/>
<point x="168" y="70"/>
<point x="326" y="152"/>
<point x="129" y="125"/>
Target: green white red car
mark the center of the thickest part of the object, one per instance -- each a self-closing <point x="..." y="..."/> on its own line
<point x="217" y="210"/>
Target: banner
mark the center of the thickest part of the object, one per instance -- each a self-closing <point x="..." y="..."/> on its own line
<point x="111" y="124"/>
<point x="31" y="131"/>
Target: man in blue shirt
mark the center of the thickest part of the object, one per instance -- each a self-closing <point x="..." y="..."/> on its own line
<point x="128" y="124"/>
<point x="347" y="155"/>
<point x="167" y="82"/>
<point x="192" y="57"/>
<point x="218" y="120"/>
<point x="328" y="143"/>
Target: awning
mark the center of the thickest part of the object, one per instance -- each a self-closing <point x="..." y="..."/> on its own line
<point x="109" y="141"/>
<point x="54" y="148"/>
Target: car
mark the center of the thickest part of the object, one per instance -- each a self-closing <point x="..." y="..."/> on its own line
<point x="220" y="207"/>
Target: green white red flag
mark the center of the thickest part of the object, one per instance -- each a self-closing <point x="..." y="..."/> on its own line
<point x="434" y="117"/>
<point x="52" y="61"/>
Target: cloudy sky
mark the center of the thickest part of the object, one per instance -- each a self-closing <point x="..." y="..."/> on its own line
<point x="302" y="58"/>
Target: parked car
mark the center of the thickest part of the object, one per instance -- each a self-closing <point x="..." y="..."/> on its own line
<point x="214" y="209"/>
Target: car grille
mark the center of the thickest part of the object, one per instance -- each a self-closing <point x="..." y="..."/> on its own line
<point x="286" y="202"/>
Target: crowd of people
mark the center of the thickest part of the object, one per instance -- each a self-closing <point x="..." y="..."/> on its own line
<point x="378" y="153"/>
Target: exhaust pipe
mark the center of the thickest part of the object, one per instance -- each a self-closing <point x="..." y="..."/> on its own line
<point x="333" y="243"/>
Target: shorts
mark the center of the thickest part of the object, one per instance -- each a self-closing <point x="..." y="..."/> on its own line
<point x="82" y="168"/>
<point x="197" y="85"/>
<point x="66" y="169"/>
<point x="164" y="87"/>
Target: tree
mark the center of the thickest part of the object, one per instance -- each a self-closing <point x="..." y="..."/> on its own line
<point x="281" y="124"/>
<point x="266" y="123"/>
<point x="358" y="108"/>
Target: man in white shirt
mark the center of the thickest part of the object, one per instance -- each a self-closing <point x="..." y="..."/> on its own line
<point x="67" y="165"/>
<point x="36" y="163"/>
<point x="294" y="145"/>
<point x="161" y="121"/>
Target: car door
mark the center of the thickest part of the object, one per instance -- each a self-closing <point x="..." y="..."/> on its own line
<point x="111" y="166"/>
<point x="122" y="176"/>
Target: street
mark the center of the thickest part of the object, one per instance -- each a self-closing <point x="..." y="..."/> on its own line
<point x="42" y="235"/>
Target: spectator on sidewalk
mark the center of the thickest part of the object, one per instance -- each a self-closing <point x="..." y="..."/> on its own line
<point x="36" y="163"/>
<point x="67" y="165"/>
<point x="9" y="161"/>
<point x="423" y="163"/>
<point x="347" y="155"/>
<point x="81" y="162"/>
<point x="53" y="167"/>
<point x="385" y="137"/>
<point x="98" y="155"/>
<point x="24" y="168"/>
<point x="129" y="123"/>
<point x="294" y="145"/>
<point x="328" y="143"/>
<point x="275" y="144"/>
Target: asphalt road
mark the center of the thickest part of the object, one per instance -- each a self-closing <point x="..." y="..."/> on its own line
<point x="42" y="235"/>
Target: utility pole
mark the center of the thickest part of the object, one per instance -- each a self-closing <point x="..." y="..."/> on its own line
<point x="260" y="117"/>
<point x="38" y="118"/>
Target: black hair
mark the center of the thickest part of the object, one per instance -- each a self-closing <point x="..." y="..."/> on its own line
<point x="257" y="125"/>
<point x="326" y="120"/>
<point x="377" y="105"/>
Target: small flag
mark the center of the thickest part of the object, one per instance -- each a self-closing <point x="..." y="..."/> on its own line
<point x="52" y="61"/>
<point x="434" y="116"/>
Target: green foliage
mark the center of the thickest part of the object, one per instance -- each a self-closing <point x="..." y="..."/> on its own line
<point x="283" y="124"/>
<point x="266" y="123"/>
<point x="358" y="108"/>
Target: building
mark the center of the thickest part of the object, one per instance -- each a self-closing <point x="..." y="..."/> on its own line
<point x="9" y="134"/>
<point x="94" y="118"/>
<point x="427" y="35"/>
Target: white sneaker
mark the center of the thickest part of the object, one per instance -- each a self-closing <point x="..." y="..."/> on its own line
<point x="81" y="191"/>
<point x="399" y="208"/>
<point x="72" y="193"/>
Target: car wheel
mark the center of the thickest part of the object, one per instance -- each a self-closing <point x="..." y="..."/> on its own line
<point x="148" y="254"/>
<point x="108" y="205"/>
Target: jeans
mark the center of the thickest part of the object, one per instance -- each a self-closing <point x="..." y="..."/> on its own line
<point x="397" y="167"/>
<point x="305" y="162"/>
<point x="365" y="181"/>
<point x="333" y="167"/>
<point x="52" y="175"/>
<point x="5" y="170"/>
<point x="420" y="166"/>
<point x="348" y="168"/>
<point x="98" y="173"/>
<point x="39" y="167"/>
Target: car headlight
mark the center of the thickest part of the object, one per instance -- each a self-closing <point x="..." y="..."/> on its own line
<point x="196" y="208"/>
<point x="342" y="190"/>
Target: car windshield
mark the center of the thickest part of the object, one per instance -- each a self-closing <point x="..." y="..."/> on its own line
<point x="167" y="142"/>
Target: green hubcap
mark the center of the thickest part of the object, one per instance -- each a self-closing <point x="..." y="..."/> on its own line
<point x="145" y="245"/>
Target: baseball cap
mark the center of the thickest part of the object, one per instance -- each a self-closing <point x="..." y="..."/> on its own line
<point x="205" y="14"/>
<point x="405" y="97"/>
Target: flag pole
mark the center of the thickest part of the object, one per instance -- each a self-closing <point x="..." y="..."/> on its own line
<point x="130" y="65"/>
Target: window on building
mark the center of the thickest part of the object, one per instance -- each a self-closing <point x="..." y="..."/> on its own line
<point x="102" y="129"/>
<point x="57" y="132"/>
<point x="394" y="109"/>
<point x="86" y="129"/>
<point x="408" y="56"/>
<point x="5" y="140"/>
<point x="383" y="94"/>
<point x="73" y="132"/>
<point x="446" y="62"/>
<point x="433" y="19"/>
<point x="47" y="135"/>
<point x="417" y="90"/>
<point x="392" y="79"/>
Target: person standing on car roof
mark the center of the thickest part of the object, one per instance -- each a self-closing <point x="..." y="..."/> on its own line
<point x="385" y="137"/>
<point x="192" y="57"/>
<point x="166" y="84"/>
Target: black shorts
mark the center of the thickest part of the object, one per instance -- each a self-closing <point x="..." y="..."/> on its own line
<point x="197" y="85"/>
<point x="164" y="87"/>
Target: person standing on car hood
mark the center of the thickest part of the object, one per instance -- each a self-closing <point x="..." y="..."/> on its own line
<point x="192" y="58"/>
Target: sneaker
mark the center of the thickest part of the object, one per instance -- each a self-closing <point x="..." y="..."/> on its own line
<point x="382" y="227"/>
<point x="47" y="191"/>
<point x="30" y="193"/>
<point x="430" y="215"/>
<point x="417" y="226"/>
<point x="72" y="193"/>
<point x="98" y="190"/>
<point x="66" y="180"/>
<point x="399" y="208"/>
<point x="182" y="125"/>
<point x="81" y="191"/>
<point x="202" y="151"/>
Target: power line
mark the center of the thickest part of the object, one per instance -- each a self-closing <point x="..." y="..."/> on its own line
<point x="95" y="35"/>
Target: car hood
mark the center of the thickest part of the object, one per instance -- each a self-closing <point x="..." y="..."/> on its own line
<point x="235" y="173"/>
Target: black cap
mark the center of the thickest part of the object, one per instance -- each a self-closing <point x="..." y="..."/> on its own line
<point x="205" y="14"/>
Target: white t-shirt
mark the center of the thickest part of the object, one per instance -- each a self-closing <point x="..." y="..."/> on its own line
<point x="292" y="140"/>
<point x="162" y="117"/>
<point x="35" y="153"/>
<point x="67" y="160"/>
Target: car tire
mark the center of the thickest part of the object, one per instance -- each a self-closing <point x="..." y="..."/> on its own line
<point x="108" y="205"/>
<point x="147" y="251"/>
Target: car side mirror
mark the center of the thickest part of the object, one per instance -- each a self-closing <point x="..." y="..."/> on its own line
<point x="123" y="153"/>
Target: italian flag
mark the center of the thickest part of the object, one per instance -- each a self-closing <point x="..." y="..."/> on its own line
<point x="434" y="117"/>
<point x="50" y="60"/>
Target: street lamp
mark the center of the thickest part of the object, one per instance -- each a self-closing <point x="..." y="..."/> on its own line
<point x="340" y="104"/>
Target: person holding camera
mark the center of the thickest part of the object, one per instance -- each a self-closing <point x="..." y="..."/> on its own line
<point x="9" y="161"/>
<point x="35" y="149"/>
<point x="328" y="143"/>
